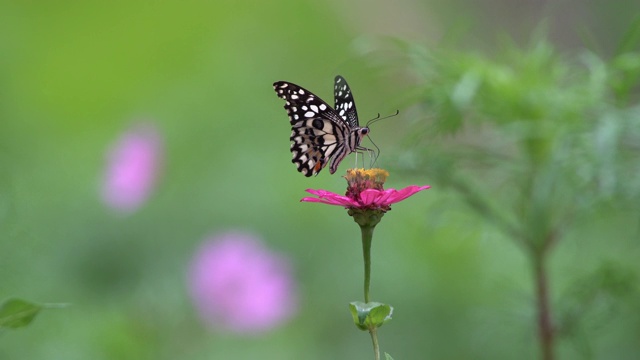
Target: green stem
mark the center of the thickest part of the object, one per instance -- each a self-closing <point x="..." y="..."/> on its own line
<point x="367" y="237"/>
<point x="374" y="338"/>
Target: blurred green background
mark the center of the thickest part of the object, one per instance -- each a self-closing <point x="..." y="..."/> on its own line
<point x="75" y="75"/>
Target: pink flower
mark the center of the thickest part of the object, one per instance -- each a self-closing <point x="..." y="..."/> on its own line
<point x="368" y="198"/>
<point x="238" y="285"/>
<point x="132" y="168"/>
<point x="365" y="192"/>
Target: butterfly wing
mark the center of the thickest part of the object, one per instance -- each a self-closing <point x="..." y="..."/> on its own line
<point x="345" y="105"/>
<point x="317" y="130"/>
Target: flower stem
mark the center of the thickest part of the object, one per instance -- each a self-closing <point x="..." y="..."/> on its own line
<point x="545" y="327"/>
<point x="367" y="237"/>
<point x="374" y="338"/>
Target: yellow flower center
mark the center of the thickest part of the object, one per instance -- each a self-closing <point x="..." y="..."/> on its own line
<point x="359" y="180"/>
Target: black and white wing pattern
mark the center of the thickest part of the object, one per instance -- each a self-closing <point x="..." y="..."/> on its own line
<point x="319" y="133"/>
<point x="345" y="105"/>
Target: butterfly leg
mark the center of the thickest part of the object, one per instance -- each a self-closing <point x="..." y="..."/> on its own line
<point x="373" y="155"/>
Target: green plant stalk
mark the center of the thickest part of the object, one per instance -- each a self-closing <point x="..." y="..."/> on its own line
<point x="374" y="338"/>
<point x="367" y="238"/>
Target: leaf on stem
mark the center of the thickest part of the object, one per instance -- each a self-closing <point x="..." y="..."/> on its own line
<point x="370" y="315"/>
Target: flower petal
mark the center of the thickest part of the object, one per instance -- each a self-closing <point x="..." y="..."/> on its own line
<point x="387" y="197"/>
<point x="399" y="195"/>
<point x="370" y="197"/>
<point x="330" y="198"/>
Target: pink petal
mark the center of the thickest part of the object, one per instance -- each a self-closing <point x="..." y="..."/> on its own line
<point x="318" y="192"/>
<point x="370" y="197"/>
<point x="402" y="194"/>
<point x="384" y="196"/>
<point x="322" y="201"/>
<point x="387" y="197"/>
<point x="330" y="198"/>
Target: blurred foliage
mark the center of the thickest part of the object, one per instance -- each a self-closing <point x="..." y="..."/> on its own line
<point x="74" y="75"/>
<point x="591" y="301"/>
<point x="538" y="143"/>
<point x="550" y="137"/>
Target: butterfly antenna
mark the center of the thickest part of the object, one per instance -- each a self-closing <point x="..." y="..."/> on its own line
<point x="374" y="119"/>
<point x="378" y="118"/>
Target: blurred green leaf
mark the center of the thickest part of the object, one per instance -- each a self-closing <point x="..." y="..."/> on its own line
<point x="387" y="356"/>
<point x="631" y="38"/>
<point x="596" y="296"/>
<point x="16" y="313"/>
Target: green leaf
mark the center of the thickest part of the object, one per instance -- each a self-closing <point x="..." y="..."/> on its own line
<point x="387" y="356"/>
<point x="15" y="313"/>
<point x="358" y="315"/>
<point x="370" y="315"/>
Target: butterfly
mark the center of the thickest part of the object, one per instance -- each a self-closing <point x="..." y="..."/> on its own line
<point x="320" y="133"/>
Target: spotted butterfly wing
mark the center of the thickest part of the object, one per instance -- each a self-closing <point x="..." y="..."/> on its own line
<point x="319" y="133"/>
<point x="345" y="105"/>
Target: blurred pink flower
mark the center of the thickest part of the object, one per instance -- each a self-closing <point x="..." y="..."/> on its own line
<point x="239" y="285"/>
<point x="133" y="164"/>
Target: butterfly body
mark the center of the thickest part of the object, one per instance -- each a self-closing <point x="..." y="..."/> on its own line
<point x="321" y="134"/>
